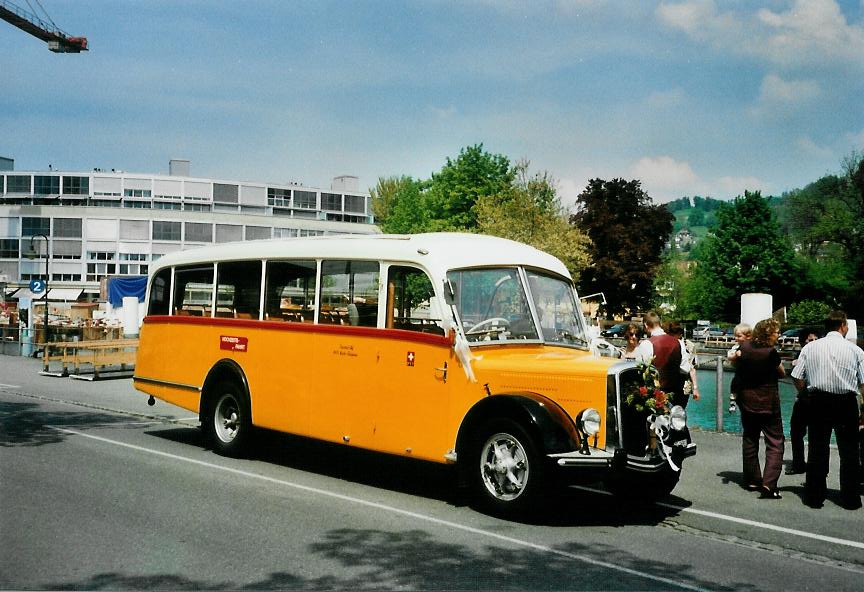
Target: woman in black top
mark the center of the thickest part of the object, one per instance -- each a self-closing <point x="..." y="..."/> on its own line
<point x="757" y="371"/>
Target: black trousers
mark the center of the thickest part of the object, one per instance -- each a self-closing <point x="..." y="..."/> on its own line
<point x="797" y="431"/>
<point x="838" y="413"/>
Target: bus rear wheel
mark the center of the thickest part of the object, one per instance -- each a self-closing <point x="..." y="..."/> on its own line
<point x="227" y="420"/>
<point x="507" y="474"/>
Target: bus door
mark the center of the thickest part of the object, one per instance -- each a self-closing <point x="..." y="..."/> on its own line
<point x="346" y="352"/>
<point x="411" y="397"/>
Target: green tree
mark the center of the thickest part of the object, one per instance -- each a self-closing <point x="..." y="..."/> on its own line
<point x="386" y="194"/>
<point x="455" y="189"/>
<point x="399" y="205"/>
<point x="529" y="211"/>
<point x="747" y="252"/>
<point x="628" y="233"/>
<point x="807" y="312"/>
<point x="696" y="218"/>
<point x="825" y="221"/>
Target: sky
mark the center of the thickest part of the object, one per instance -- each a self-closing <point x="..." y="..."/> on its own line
<point x="692" y="97"/>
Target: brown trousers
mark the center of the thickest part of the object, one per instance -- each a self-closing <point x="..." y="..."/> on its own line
<point x="771" y="426"/>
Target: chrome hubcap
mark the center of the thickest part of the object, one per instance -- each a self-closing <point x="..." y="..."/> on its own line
<point x="504" y="467"/>
<point x="226" y="419"/>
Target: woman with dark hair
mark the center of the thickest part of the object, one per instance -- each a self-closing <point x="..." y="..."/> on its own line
<point x="757" y="371"/>
<point x="631" y="336"/>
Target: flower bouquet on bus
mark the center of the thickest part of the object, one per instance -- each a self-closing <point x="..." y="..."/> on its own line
<point x="646" y="399"/>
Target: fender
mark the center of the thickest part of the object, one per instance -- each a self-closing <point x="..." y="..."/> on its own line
<point x="224" y="369"/>
<point x="555" y="430"/>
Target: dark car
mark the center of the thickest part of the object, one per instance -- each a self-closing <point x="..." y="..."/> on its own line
<point x="615" y="330"/>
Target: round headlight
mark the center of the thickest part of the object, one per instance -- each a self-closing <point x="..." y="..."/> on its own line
<point x="678" y="417"/>
<point x="589" y="421"/>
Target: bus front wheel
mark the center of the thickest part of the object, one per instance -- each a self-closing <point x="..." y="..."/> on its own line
<point x="506" y="473"/>
<point x="227" y="421"/>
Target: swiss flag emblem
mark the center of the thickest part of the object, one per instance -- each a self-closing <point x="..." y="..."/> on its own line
<point x="409" y="359"/>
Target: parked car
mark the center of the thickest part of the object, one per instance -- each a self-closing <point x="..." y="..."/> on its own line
<point x="706" y="331"/>
<point x="615" y="330"/>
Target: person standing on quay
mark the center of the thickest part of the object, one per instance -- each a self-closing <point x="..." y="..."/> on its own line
<point x="664" y="352"/>
<point x="831" y="371"/>
<point x="757" y="370"/>
<point x="800" y="415"/>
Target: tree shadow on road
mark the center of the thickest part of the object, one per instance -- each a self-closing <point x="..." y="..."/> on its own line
<point x="373" y="559"/>
<point x="563" y="507"/>
<point x="29" y="424"/>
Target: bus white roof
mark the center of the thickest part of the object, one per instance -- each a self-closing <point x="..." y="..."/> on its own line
<point x="437" y="252"/>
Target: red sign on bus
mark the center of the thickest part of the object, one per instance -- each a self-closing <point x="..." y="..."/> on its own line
<point x="237" y="344"/>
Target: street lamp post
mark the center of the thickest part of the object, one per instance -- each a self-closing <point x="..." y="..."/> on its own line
<point x="33" y="254"/>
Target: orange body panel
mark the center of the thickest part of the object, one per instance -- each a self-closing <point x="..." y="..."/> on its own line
<point x="380" y="389"/>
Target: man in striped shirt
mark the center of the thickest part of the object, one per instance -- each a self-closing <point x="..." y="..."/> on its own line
<point x="830" y="371"/>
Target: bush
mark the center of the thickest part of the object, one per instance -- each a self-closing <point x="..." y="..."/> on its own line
<point x="807" y="312"/>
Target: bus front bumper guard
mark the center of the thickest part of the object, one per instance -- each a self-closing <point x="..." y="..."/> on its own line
<point x="603" y="458"/>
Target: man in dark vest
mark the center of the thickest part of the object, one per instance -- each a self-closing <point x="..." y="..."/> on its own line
<point x="664" y="351"/>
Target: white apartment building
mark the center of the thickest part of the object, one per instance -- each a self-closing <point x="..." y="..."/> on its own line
<point x="108" y="223"/>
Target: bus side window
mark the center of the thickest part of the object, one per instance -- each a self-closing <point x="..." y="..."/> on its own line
<point x="410" y="300"/>
<point x="349" y="293"/>
<point x="193" y="290"/>
<point x="238" y="289"/>
<point x="159" y="293"/>
<point x="289" y="293"/>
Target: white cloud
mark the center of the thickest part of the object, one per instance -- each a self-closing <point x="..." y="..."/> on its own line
<point x="782" y="97"/>
<point x="734" y="186"/>
<point x="812" y="33"/>
<point x="814" y="30"/>
<point x="665" y="179"/>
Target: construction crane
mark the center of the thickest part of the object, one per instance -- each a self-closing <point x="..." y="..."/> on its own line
<point x="58" y="41"/>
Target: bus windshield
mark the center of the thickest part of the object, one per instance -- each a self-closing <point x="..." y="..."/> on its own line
<point x="494" y="304"/>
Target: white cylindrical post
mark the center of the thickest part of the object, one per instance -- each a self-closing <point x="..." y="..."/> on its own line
<point x="130" y="316"/>
<point x="756" y="307"/>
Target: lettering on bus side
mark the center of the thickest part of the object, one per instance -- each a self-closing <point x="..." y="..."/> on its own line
<point x="238" y="344"/>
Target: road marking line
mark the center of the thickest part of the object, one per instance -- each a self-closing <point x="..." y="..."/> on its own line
<point x="423" y="517"/>
<point x="745" y="521"/>
<point x="15" y="386"/>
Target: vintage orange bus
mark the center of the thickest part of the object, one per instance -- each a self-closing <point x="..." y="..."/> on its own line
<point x="451" y="348"/>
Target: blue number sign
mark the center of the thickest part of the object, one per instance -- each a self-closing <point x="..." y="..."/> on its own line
<point x="37" y="286"/>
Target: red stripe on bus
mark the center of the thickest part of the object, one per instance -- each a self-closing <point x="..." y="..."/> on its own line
<point x="347" y="330"/>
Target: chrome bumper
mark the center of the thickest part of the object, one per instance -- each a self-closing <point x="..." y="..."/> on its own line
<point x="598" y="457"/>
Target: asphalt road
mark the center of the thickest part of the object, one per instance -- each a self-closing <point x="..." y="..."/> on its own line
<point x="98" y="491"/>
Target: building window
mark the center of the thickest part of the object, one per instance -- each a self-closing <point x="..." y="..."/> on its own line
<point x="196" y="207"/>
<point x="278" y="197"/>
<point x="166" y="231"/>
<point x="67" y="227"/>
<point x="138" y="205"/>
<point x="46" y="185"/>
<point x="9" y="248"/>
<point x="133" y="256"/>
<point x="226" y="233"/>
<point x="76" y="185"/>
<point x="136" y="193"/>
<point x="34" y="226"/>
<point x="355" y="204"/>
<point x="331" y="201"/>
<point x="284" y="233"/>
<point x="66" y="249"/>
<point x="101" y="256"/>
<point x="257" y="232"/>
<point x="305" y="199"/>
<point x="225" y="193"/>
<point x="65" y="277"/>
<point x="18" y="184"/>
<point x="199" y="232"/>
<point x="167" y="205"/>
